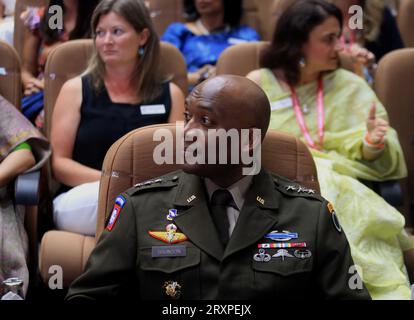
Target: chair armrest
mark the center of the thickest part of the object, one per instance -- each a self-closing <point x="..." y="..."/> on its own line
<point x="27" y="188"/>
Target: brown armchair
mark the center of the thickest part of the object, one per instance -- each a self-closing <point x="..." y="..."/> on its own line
<point x="130" y="160"/>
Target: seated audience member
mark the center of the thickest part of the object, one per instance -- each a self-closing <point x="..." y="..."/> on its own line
<point x="41" y="39"/>
<point x="345" y="126"/>
<point x="378" y="36"/>
<point x="7" y="20"/>
<point x="220" y="234"/>
<point x="213" y="26"/>
<point x="120" y="91"/>
<point x="22" y="148"/>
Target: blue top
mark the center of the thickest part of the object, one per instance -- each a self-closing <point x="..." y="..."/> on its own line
<point x="199" y="50"/>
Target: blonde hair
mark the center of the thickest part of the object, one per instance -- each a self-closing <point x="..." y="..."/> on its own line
<point x="373" y="16"/>
<point x="145" y="77"/>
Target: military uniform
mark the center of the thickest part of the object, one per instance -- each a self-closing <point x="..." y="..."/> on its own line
<point x="161" y="243"/>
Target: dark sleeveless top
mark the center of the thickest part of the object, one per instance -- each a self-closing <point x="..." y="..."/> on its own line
<point x="103" y="122"/>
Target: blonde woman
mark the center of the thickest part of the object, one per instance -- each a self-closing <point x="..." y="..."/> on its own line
<point x="120" y="91"/>
<point x="379" y="35"/>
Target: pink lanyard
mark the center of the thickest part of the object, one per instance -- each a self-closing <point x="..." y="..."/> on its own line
<point x="320" y="114"/>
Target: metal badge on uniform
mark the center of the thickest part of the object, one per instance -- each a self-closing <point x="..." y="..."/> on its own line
<point x="282" y="253"/>
<point x="302" y="254"/>
<point x="119" y="204"/>
<point x="281" y="236"/>
<point x="335" y="220"/>
<point x="172" y="213"/>
<point x="260" y="200"/>
<point x="168" y="251"/>
<point x="262" y="256"/>
<point x="153" y="109"/>
<point x="172" y="289"/>
<point x="168" y="237"/>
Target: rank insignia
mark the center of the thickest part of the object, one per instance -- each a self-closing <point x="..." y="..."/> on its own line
<point x="119" y="204"/>
<point x="168" y="236"/>
<point x="172" y="289"/>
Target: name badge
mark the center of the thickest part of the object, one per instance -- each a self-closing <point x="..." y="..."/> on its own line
<point x="281" y="104"/>
<point x="169" y="251"/>
<point x="153" y="109"/>
<point x="235" y="41"/>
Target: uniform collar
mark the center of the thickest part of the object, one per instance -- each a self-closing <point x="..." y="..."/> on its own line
<point x="257" y="216"/>
<point x="238" y="189"/>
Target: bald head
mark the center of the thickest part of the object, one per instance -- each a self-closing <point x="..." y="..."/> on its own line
<point x="235" y="98"/>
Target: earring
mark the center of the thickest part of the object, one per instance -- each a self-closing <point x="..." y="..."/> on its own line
<point x="302" y="63"/>
<point x="141" y="51"/>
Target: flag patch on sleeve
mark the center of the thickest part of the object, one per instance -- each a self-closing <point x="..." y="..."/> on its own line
<point x="119" y="204"/>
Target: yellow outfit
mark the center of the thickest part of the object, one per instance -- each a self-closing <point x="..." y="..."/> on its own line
<point x="375" y="230"/>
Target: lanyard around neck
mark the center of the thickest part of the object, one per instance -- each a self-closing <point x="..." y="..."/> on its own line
<point x="320" y="114"/>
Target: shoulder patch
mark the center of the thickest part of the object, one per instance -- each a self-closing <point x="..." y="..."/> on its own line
<point x="119" y="204"/>
<point x="335" y="220"/>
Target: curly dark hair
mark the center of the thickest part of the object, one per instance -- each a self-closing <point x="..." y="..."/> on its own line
<point x="292" y="32"/>
<point x="233" y="11"/>
<point x="82" y="26"/>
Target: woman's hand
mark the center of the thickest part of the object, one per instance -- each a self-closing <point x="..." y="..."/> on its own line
<point x="201" y="74"/>
<point x="33" y="85"/>
<point x="361" y="55"/>
<point x="376" y="127"/>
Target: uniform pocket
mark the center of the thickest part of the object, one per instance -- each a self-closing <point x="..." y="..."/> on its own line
<point x="156" y="273"/>
<point x="286" y="267"/>
<point x="287" y="277"/>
